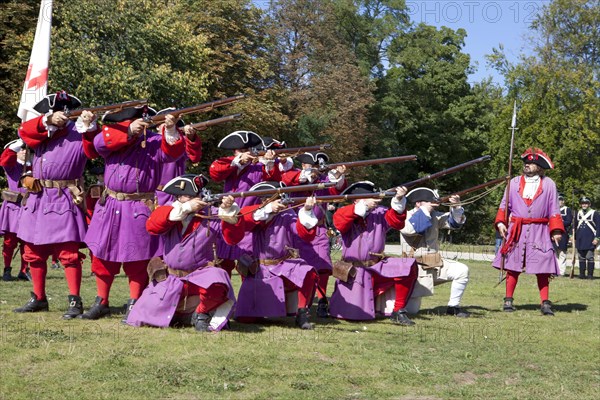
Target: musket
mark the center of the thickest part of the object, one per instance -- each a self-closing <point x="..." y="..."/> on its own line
<point x="73" y="114"/>
<point x="200" y="108"/>
<point x="447" y="171"/>
<point x="363" y="163"/>
<point x="338" y="198"/>
<point x="291" y="151"/>
<point x="513" y="128"/>
<point x="474" y="188"/>
<point x="200" y="126"/>
<point x="208" y="197"/>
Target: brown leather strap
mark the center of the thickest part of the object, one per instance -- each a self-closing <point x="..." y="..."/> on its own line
<point x="59" y="184"/>
<point x="129" y="196"/>
<point x="181" y="273"/>
<point x="365" y="263"/>
<point x="272" y="261"/>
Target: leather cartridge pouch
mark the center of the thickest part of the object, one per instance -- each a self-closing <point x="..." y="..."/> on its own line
<point x="157" y="269"/>
<point x="247" y="265"/>
<point x="30" y="183"/>
<point x="95" y="191"/>
<point x="343" y="270"/>
<point x="430" y="260"/>
<point x="12" y="196"/>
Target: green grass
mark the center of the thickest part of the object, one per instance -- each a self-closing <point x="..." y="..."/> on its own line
<point x="493" y="355"/>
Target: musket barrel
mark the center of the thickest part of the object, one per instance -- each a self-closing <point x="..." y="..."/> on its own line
<point x="269" y="192"/>
<point x="447" y="171"/>
<point x="475" y="188"/>
<point x="293" y="151"/>
<point x="212" y="122"/>
<point x="204" y="107"/>
<point x="73" y="114"/>
<point x="362" y="163"/>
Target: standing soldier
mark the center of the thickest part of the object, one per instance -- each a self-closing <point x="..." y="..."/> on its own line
<point x="186" y="287"/>
<point x="239" y="173"/>
<point x="117" y="234"/>
<point x="567" y="217"/>
<point x="316" y="253"/>
<point x="420" y="240"/>
<point x="14" y="164"/>
<point x="535" y="223"/>
<point x="587" y="237"/>
<point x="363" y="226"/>
<point x="52" y="219"/>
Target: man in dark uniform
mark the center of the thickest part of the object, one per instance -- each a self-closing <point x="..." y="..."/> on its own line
<point x="587" y="237"/>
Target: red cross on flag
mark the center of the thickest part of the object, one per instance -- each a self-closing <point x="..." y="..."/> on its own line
<point x="36" y="81"/>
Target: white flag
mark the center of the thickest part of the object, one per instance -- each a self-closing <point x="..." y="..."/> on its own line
<point x="36" y="82"/>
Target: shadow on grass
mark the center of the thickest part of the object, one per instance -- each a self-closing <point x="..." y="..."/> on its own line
<point x="556" y="306"/>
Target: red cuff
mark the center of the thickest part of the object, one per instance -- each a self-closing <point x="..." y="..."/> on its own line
<point x="247" y="212"/>
<point x="233" y="233"/>
<point x="8" y="158"/>
<point x="33" y="132"/>
<point x="158" y="222"/>
<point x="500" y="217"/>
<point x="556" y="223"/>
<point x="88" y="144"/>
<point x="344" y="218"/>
<point x="273" y="175"/>
<point x="395" y="219"/>
<point x="307" y="235"/>
<point x="116" y="136"/>
<point x="291" y="177"/>
<point x="174" y="150"/>
<point x="193" y="149"/>
<point x="221" y="168"/>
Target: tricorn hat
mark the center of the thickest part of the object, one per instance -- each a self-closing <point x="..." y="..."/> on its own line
<point x="423" y="194"/>
<point x="584" y="199"/>
<point x="240" y="140"/>
<point x="268" y="185"/>
<point x="15" y="145"/>
<point x="537" y="156"/>
<point x="270" y="143"/>
<point x="561" y="196"/>
<point x="362" y="187"/>
<point x="187" y="184"/>
<point x="57" y="102"/>
<point x="313" y="158"/>
<point x="127" y="114"/>
<point x="179" y="124"/>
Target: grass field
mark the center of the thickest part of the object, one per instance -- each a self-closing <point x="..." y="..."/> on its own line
<point x="492" y="355"/>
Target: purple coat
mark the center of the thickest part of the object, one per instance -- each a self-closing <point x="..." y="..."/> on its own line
<point x="534" y="252"/>
<point x="117" y="231"/>
<point x="355" y="299"/>
<point x="9" y="211"/>
<point x="50" y="216"/>
<point x="263" y="295"/>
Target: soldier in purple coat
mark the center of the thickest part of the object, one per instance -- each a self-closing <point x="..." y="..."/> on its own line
<point x="117" y="232"/>
<point x="188" y="288"/>
<point x="535" y="222"/>
<point x="52" y="218"/>
<point x="239" y="173"/>
<point x="316" y="253"/>
<point x="280" y="283"/>
<point x="14" y="164"/>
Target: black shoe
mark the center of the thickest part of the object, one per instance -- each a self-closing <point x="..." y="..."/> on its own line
<point x="128" y="308"/>
<point x="457" y="312"/>
<point x="323" y="308"/>
<point x="201" y="321"/>
<point x="400" y="318"/>
<point x="508" y="305"/>
<point x="7" y="277"/>
<point x="24" y="276"/>
<point x="546" y="308"/>
<point x="590" y="277"/>
<point x="33" y="305"/>
<point x="302" y="319"/>
<point x="97" y="311"/>
<point x="75" y="307"/>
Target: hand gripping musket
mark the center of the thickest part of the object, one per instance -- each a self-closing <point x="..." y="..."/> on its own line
<point x="74" y="114"/>
<point x="208" y="197"/>
<point x="513" y="128"/>
<point x="291" y="151"/>
<point x="363" y="163"/>
<point x="200" y="126"/>
<point x="205" y="107"/>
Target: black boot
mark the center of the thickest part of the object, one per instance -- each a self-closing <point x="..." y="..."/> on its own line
<point x="508" y="305"/>
<point x="581" y="270"/>
<point x="24" y="276"/>
<point x="399" y="317"/>
<point x="7" y="277"/>
<point x="590" y="270"/>
<point x="128" y="308"/>
<point x="75" y="307"/>
<point x="302" y="319"/>
<point x="201" y="321"/>
<point x="97" y="311"/>
<point x="546" y="308"/>
<point x="33" y="305"/>
<point x="323" y="308"/>
<point x="457" y="312"/>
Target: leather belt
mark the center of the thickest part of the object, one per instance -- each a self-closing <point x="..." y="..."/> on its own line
<point x="129" y="196"/>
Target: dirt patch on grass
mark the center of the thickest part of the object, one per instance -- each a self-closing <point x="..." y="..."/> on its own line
<point x="465" y="378"/>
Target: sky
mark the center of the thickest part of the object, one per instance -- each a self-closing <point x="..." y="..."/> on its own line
<point x="487" y="22"/>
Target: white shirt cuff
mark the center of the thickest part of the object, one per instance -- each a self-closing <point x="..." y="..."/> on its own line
<point x="307" y="218"/>
<point x="179" y="211"/>
<point x="263" y="213"/>
<point x="171" y="135"/>
<point x="398" y="205"/>
<point x="458" y="214"/>
<point x="236" y="163"/>
<point x="425" y="211"/>
<point x="360" y="208"/>
<point x="286" y="164"/>
<point x="82" y="128"/>
<point x="229" y="214"/>
<point x="50" y="128"/>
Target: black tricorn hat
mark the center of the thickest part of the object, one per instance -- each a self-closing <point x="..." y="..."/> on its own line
<point x="538" y="157"/>
<point x="179" y="124"/>
<point x="187" y="184"/>
<point x="423" y="194"/>
<point x="17" y="142"/>
<point x="362" y="187"/>
<point x="585" y="200"/>
<point x="240" y="140"/>
<point x="313" y="158"/>
<point x="57" y="102"/>
<point x="270" y="143"/>
<point x="268" y="185"/>
<point x="127" y="114"/>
